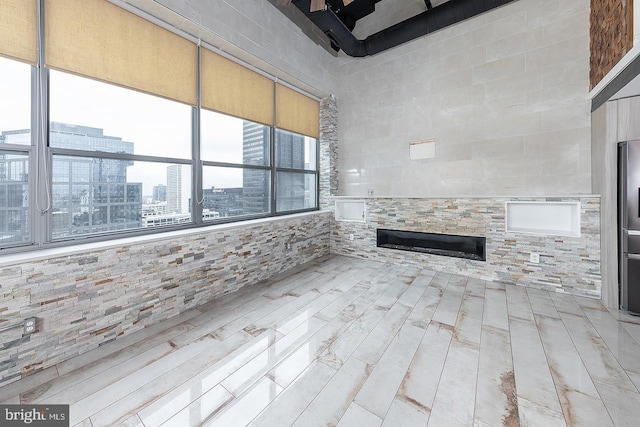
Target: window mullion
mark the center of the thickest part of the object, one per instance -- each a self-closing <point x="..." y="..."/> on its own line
<point x="41" y="194"/>
<point x="197" y="192"/>
<point x="272" y="150"/>
<point x="273" y="169"/>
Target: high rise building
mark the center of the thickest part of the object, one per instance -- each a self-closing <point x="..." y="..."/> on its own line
<point x="160" y="193"/>
<point x="256" y="184"/>
<point x="291" y="188"/>
<point x="14" y="201"/>
<point x="174" y="189"/>
<point x="88" y="194"/>
<point x="228" y="202"/>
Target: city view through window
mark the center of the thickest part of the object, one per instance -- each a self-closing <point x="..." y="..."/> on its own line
<point x="15" y="113"/>
<point x="122" y="160"/>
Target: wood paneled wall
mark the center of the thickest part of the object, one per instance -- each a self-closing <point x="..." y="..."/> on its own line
<point x="611" y="35"/>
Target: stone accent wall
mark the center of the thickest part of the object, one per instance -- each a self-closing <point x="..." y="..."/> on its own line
<point x="90" y="298"/>
<point x="567" y="264"/>
<point x="328" y="150"/>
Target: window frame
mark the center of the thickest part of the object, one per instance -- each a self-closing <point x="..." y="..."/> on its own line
<point x="32" y="153"/>
<point x="41" y="157"/>
<point x="27" y="151"/>
<point x="303" y="171"/>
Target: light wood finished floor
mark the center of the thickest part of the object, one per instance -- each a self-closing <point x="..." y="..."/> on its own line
<point x="348" y="342"/>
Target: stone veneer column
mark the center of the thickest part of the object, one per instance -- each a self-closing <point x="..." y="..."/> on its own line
<point x="328" y="150"/>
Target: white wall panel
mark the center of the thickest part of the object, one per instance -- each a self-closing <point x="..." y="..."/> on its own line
<point x="505" y="95"/>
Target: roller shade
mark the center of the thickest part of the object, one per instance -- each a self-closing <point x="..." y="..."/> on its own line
<point x="230" y="88"/>
<point x="97" y="39"/>
<point x="18" y="30"/>
<point x="296" y="112"/>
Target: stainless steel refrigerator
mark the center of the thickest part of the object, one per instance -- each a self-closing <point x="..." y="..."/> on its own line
<point x="629" y="225"/>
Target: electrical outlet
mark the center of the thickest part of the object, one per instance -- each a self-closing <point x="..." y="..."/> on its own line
<point x="29" y="325"/>
<point x="370" y="192"/>
<point x="534" y="258"/>
<point x="352" y="237"/>
<point x="287" y="246"/>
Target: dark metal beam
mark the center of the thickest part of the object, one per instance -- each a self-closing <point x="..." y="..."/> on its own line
<point x="431" y="20"/>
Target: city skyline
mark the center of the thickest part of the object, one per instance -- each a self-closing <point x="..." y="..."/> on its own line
<point x="95" y="193"/>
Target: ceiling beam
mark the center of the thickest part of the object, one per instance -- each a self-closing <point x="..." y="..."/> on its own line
<point x="441" y="16"/>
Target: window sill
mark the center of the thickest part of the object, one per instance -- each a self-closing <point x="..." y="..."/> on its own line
<point x="43" y="254"/>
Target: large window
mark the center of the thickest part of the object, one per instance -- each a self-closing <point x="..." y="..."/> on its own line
<point x="236" y="177"/>
<point x="297" y="176"/>
<point x="110" y="147"/>
<point x="111" y="125"/>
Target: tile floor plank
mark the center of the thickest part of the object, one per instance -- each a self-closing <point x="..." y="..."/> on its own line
<point x="241" y="411"/>
<point x="262" y="363"/>
<point x="423" y="310"/>
<point x="542" y="304"/>
<point x="335" y="398"/>
<point x="378" y="392"/>
<point x="403" y="413"/>
<point x="534" y="382"/>
<point x="579" y="398"/>
<point x="495" y="310"/>
<point x="201" y="409"/>
<point x="455" y="397"/>
<point x="214" y="321"/>
<point x="496" y="396"/>
<point x="623" y="405"/>
<point x="357" y="416"/>
<point x="600" y="362"/>
<point x="296" y="397"/>
<point x="69" y="390"/>
<point x="101" y="399"/>
<point x="618" y="340"/>
<point x="454" y="403"/>
<point x="234" y="353"/>
<point x="421" y="381"/>
<point x="90" y="376"/>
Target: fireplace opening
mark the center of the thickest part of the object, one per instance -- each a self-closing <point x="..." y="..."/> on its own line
<point x="467" y="247"/>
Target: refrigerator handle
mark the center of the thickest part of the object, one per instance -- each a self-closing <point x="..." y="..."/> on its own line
<point x="625" y="241"/>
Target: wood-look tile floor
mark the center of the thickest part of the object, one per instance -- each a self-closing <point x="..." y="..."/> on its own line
<point x="348" y="342"/>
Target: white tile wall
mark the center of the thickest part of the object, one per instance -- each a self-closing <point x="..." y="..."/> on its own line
<point x="505" y="95"/>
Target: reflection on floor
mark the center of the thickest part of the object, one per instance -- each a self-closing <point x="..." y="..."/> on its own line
<point x="348" y="342"/>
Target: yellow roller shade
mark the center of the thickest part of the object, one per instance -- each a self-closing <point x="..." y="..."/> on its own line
<point x="98" y="39"/>
<point x="296" y="112"/>
<point x="18" y="29"/>
<point x="230" y="88"/>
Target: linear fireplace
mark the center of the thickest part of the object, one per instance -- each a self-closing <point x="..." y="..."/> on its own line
<point x="468" y="247"/>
